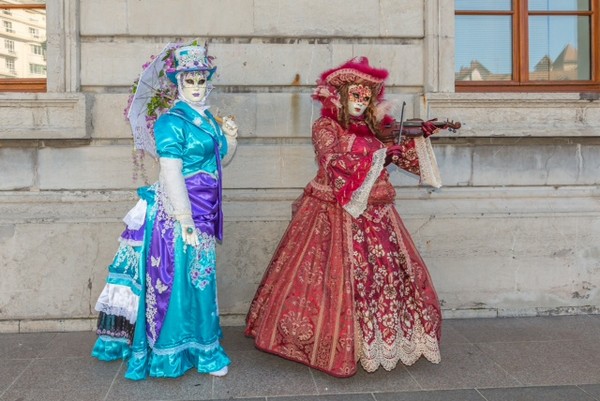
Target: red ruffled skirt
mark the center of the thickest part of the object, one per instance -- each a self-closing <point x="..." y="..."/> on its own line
<point x="340" y="290"/>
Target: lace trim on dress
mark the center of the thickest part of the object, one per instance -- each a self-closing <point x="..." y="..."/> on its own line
<point x="116" y="339"/>
<point x="165" y="211"/>
<point x="379" y="353"/>
<point x="430" y="173"/>
<point x="126" y="262"/>
<point x="115" y="328"/>
<point x="151" y="311"/>
<point x="118" y="300"/>
<point x="202" y="269"/>
<point x="360" y="197"/>
<point x="130" y="242"/>
<point x="123" y="312"/>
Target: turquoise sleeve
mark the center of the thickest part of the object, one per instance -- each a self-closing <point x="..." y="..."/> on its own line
<point x="170" y="137"/>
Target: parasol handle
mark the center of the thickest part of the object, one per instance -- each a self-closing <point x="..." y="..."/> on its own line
<point x="220" y="119"/>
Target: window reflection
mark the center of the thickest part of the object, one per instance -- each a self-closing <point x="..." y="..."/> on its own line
<point x="483" y="5"/>
<point x="483" y="48"/>
<point x="23" y="50"/>
<point x="559" y="5"/>
<point x="559" y="48"/>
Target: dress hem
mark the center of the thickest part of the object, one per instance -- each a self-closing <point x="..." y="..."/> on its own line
<point x="301" y="362"/>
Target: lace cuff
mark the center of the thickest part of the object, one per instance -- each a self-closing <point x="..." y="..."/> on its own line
<point x="430" y="173"/>
<point x="360" y="197"/>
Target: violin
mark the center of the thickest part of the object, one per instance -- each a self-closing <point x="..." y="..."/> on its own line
<point x="412" y="128"/>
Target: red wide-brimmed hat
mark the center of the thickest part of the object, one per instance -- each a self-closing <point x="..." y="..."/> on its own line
<point x="356" y="71"/>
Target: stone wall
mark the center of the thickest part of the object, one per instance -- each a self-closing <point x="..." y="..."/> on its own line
<point x="514" y="231"/>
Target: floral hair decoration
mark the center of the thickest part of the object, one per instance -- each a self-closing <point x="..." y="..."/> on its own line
<point x="190" y="58"/>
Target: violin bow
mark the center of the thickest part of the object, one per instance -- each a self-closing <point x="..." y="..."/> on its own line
<point x="401" y="121"/>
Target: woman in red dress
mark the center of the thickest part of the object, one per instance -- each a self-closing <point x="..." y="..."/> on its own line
<point x="346" y="282"/>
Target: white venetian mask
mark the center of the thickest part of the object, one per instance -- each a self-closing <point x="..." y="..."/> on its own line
<point x="359" y="97"/>
<point x="193" y="86"/>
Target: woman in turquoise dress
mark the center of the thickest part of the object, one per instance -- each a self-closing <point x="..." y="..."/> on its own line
<point x="159" y="307"/>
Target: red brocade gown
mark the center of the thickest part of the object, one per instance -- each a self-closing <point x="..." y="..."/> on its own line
<point x="346" y="282"/>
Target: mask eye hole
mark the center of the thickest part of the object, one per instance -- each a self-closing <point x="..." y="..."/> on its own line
<point x="201" y="81"/>
<point x="189" y="81"/>
<point x="367" y="98"/>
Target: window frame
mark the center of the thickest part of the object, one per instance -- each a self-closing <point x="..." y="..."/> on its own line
<point x="24" y="84"/>
<point x="520" y="41"/>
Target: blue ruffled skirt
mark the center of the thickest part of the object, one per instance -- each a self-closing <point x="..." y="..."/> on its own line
<point x="190" y="333"/>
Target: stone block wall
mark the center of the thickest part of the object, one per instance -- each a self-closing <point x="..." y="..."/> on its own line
<point x="514" y="230"/>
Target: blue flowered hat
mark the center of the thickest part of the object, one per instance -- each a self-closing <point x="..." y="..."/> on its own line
<point x="191" y="58"/>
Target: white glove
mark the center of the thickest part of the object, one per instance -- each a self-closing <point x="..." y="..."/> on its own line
<point x="178" y="202"/>
<point x="230" y="129"/>
<point x="229" y="126"/>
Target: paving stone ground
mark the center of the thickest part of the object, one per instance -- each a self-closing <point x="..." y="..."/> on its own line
<point x="505" y="359"/>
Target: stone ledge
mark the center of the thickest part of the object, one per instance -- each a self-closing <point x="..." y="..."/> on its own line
<point x="259" y="115"/>
<point x="47" y="325"/>
<point x="237" y="319"/>
<point x="515" y="114"/>
<point x="19" y="207"/>
<point x="43" y="116"/>
<point x="456" y="313"/>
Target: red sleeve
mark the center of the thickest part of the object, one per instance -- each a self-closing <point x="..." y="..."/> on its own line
<point x="409" y="160"/>
<point x="346" y="165"/>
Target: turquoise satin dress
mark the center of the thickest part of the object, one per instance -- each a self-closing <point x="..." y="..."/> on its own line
<point x="190" y="333"/>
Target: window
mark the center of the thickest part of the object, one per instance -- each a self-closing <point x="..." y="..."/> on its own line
<point x="37" y="69"/>
<point x="9" y="45"/>
<point x="37" y="49"/>
<point x="8" y="27"/>
<point x="24" y="31"/>
<point x="527" y="45"/>
<point x="10" y="65"/>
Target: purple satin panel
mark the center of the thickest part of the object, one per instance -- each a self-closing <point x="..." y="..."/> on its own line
<point x="134" y="235"/>
<point x="205" y="198"/>
<point x="204" y="192"/>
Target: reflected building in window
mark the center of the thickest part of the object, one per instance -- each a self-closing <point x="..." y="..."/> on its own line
<point x="22" y="43"/>
<point x="566" y="67"/>
<point x="476" y="71"/>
